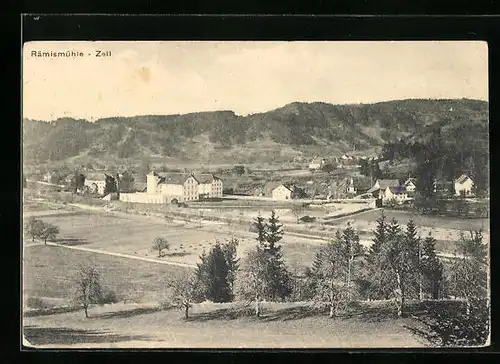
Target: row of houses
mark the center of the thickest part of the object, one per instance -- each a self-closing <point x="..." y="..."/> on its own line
<point x="384" y="189"/>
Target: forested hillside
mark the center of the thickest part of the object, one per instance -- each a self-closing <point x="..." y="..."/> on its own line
<point x="300" y="128"/>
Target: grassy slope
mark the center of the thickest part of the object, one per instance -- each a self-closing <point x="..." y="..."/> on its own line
<point x="50" y="272"/>
<point x="223" y="325"/>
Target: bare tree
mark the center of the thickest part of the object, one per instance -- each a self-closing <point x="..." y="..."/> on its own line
<point x="334" y="269"/>
<point x="254" y="277"/>
<point x="160" y="244"/>
<point x="34" y="227"/>
<point x="49" y="231"/>
<point x="327" y="275"/>
<point x="88" y="287"/>
<point x="185" y="292"/>
<point x="297" y="210"/>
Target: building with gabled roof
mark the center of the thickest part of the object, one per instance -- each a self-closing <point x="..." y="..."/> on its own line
<point x="396" y="193"/>
<point x="381" y="185"/>
<point x="317" y="163"/>
<point x="463" y="185"/>
<point x="99" y="182"/>
<point x="183" y="187"/>
<point x="287" y="191"/>
<point x="410" y="184"/>
<point x="209" y="185"/>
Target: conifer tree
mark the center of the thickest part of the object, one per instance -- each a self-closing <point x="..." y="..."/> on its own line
<point x="260" y="226"/>
<point x="213" y="274"/>
<point x="274" y="235"/>
<point x="431" y="268"/>
<point x="232" y="261"/>
<point x="413" y="245"/>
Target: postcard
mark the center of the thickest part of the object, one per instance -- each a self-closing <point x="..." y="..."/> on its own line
<point x="251" y="194"/>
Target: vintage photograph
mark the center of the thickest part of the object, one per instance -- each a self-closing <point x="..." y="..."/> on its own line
<point x="255" y="194"/>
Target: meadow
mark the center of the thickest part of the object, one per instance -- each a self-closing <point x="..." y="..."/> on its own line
<point x="50" y="272"/>
<point x="282" y="325"/>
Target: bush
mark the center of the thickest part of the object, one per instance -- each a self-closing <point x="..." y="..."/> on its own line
<point x="36" y="303"/>
<point x="108" y="297"/>
<point x="307" y="219"/>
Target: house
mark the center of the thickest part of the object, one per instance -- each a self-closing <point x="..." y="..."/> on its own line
<point x="351" y="189"/>
<point x="173" y="187"/>
<point x="287" y="191"/>
<point x="316" y="163"/>
<point x="209" y="186"/>
<point x="399" y="194"/>
<point x="463" y="185"/>
<point x="282" y="192"/>
<point x="100" y="183"/>
<point x="410" y="185"/>
<point x="69" y="179"/>
<point x="47" y="177"/>
<point x="380" y="187"/>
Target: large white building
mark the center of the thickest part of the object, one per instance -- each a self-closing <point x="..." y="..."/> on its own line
<point x="183" y="187"/>
<point x="209" y="186"/>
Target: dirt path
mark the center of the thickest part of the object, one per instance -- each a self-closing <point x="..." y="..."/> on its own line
<point x="114" y="254"/>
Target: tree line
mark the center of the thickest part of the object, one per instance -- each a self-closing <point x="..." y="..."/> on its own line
<point x="400" y="266"/>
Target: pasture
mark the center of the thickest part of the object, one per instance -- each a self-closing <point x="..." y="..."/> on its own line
<point x="49" y="273"/>
<point x="368" y="219"/>
<point x="134" y="234"/>
<point x="288" y="325"/>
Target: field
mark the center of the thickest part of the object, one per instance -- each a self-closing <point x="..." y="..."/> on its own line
<point x="136" y="321"/>
<point x="49" y="273"/>
<point x="219" y="326"/>
<point x="133" y="235"/>
<point x="422" y="220"/>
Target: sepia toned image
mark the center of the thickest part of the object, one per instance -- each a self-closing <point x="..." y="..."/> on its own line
<point x="243" y="194"/>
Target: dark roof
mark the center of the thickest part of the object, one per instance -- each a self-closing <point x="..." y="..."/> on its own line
<point x="97" y="176"/>
<point x="462" y="178"/>
<point x="206" y="178"/>
<point x="384" y="183"/>
<point x="397" y="190"/>
<point x="413" y="180"/>
<point x="288" y="186"/>
<point x="173" y="178"/>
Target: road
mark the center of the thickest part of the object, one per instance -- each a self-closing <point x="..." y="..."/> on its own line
<point x="113" y="254"/>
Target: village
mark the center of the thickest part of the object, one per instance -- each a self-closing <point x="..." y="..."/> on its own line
<point x="319" y="181"/>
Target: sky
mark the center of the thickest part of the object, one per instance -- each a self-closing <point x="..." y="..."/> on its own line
<point x="146" y="78"/>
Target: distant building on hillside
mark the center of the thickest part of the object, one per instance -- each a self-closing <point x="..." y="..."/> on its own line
<point x="463" y="185"/>
<point x="47" y="177"/>
<point x="317" y="163"/>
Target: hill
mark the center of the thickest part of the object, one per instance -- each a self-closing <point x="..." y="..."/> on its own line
<point x="296" y="129"/>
